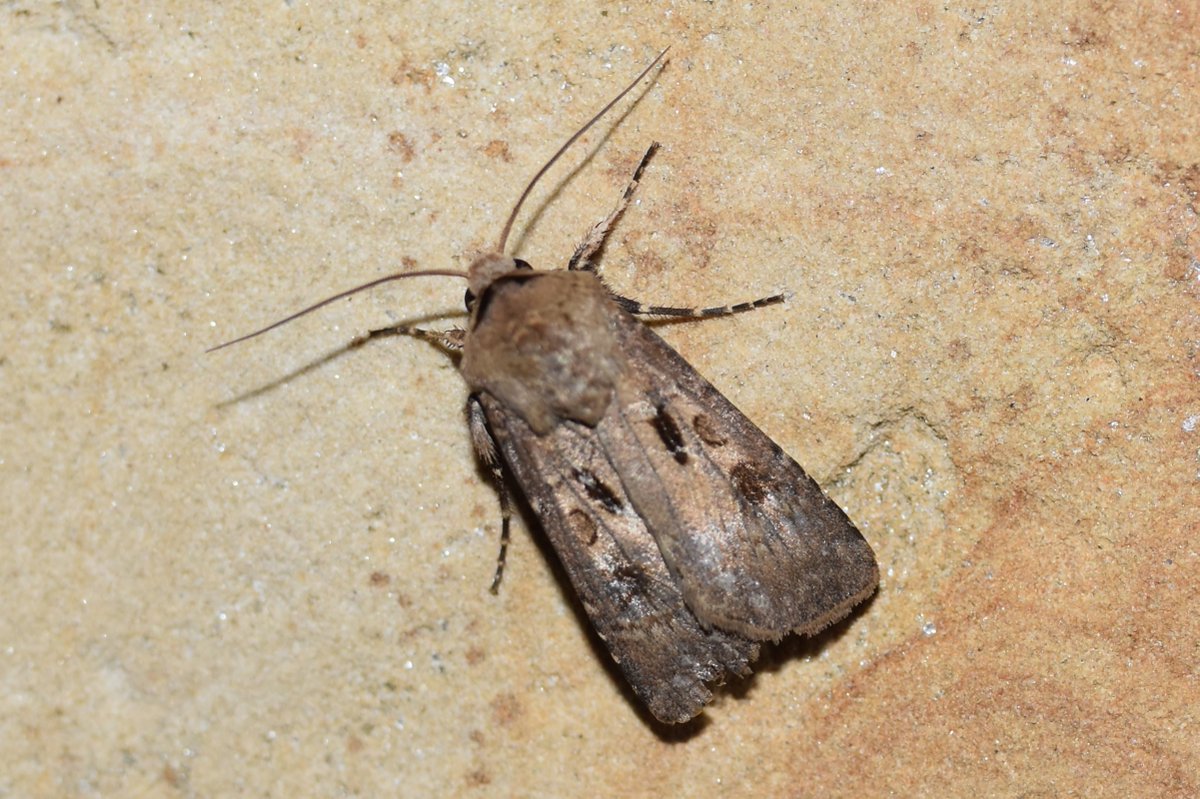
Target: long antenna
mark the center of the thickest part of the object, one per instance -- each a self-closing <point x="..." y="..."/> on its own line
<point x="368" y="285"/>
<point x="513" y="216"/>
<point x="453" y="272"/>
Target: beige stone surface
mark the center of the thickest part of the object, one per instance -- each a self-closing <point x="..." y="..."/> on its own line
<point x="264" y="572"/>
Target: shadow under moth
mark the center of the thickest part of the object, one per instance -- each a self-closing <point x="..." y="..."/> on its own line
<point x="688" y="534"/>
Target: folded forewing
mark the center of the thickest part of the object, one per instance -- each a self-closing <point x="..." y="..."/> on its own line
<point x="615" y="565"/>
<point x="757" y="547"/>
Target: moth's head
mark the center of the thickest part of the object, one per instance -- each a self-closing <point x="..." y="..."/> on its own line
<point x="484" y="271"/>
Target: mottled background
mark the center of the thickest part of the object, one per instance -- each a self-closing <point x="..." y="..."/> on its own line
<point x="264" y="572"/>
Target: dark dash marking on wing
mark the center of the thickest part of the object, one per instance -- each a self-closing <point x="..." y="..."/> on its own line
<point x="632" y="579"/>
<point x="582" y="526"/>
<point x="598" y="491"/>
<point x="708" y="431"/>
<point x="750" y="482"/>
<point x="668" y="431"/>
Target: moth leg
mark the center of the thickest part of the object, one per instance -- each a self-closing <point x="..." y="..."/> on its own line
<point x="640" y="309"/>
<point x="451" y="340"/>
<point x="594" y="240"/>
<point x="485" y="450"/>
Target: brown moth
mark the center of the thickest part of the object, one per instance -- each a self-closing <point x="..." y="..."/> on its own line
<point x="688" y="534"/>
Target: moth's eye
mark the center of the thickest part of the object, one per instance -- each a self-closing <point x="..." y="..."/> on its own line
<point x="519" y="264"/>
<point x="469" y="299"/>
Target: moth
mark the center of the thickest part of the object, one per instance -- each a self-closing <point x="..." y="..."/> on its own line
<point x="690" y="537"/>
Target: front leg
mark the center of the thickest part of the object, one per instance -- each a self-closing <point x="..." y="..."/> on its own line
<point x="666" y="311"/>
<point x="449" y="340"/>
<point x="594" y="240"/>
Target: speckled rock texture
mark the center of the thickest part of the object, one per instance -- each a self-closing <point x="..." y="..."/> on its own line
<point x="264" y="571"/>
